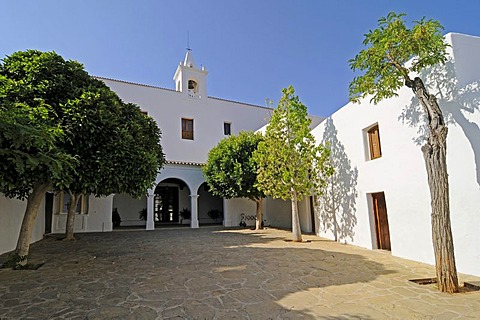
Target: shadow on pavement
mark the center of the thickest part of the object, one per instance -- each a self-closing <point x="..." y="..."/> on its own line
<point x="182" y="273"/>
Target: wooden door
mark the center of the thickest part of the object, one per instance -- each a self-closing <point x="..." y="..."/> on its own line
<point x="381" y="221"/>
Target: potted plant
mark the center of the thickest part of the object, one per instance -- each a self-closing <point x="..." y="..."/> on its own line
<point x="116" y="220"/>
<point x="142" y="214"/>
<point x="185" y="214"/>
<point x="214" y="214"/>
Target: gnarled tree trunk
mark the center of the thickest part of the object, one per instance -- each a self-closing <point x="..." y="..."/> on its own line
<point x="72" y="206"/>
<point x="296" y="230"/>
<point x="434" y="153"/>
<point x="25" y="237"/>
<point x="259" y="218"/>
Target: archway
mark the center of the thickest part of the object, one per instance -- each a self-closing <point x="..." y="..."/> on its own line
<point x="171" y="202"/>
<point x="210" y="207"/>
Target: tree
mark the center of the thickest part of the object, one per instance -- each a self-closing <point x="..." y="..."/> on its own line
<point x="230" y="171"/>
<point x="117" y="147"/>
<point x="33" y="88"/>
<point x="394" y="53"/>
<point x="290" y="166"/>
<point x="76" y="136"/>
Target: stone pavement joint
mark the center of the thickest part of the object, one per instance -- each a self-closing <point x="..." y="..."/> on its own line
<point x="216" y="273"/>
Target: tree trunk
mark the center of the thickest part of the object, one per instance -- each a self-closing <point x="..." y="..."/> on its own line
<point x="434" y="153"/>
<point x="259" y="219"/>
<point x="72" y="206"/>
<point x="296" y="230"/>
<point x="25" y="237"/>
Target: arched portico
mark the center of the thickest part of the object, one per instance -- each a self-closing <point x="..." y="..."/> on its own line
<point x="171" y="202"/>
<point x="175" y="190"/>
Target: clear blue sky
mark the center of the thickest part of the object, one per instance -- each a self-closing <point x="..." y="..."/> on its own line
<point x="251" y="48"/>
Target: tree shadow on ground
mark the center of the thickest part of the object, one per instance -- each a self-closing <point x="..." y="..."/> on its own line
<point x="183" y="273"/>
<point x="336" y="206"/>
<point x="458" y="99"/>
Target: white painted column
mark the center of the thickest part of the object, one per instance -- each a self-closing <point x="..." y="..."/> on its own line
<point x="194" y="205"/>
<point x="106" y="225"/>
<point x="150" y="214"/>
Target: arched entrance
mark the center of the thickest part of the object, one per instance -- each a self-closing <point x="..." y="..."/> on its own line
<point x="171" y="198"/>
<point x="210" y="207"/>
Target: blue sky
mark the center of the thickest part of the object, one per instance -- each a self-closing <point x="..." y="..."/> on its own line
<point x="251" y="48"/>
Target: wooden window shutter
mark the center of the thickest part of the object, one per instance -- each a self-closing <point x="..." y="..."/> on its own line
<point x="374" y="143"/>
<point x="187" y="129"/>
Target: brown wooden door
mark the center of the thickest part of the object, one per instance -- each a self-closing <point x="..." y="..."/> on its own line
<point x="381" y="221"/>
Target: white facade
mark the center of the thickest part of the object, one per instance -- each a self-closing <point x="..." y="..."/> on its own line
<point x="400" y="171"/>
<point x="184" y="155"/>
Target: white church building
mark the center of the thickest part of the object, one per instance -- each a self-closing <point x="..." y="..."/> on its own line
<point x="378" y="197"/>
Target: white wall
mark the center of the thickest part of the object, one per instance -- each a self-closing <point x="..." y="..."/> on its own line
<point x="129" y="209"/>
<point x="100" y="214"/>
<point x="11" y="216"/>
<point x="279" y="213"/>
<point x="168" y="107"/>
<point x="97" y="219"/>
<point x="400" y="172"/>
<point x="234" y="208"/>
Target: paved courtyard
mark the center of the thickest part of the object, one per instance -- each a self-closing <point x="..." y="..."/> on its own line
<point x="212" y="273"/>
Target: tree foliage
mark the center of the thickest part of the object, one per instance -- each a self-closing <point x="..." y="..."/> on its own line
<point x="231" y="172"/>
<point x="290" y="165"/>
<point x="393" y="53"/>
<point x="33" y="86"/>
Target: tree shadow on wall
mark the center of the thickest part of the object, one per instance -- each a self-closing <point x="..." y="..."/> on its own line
<point x="458" y="101"/>
<point x="336" y="206"/>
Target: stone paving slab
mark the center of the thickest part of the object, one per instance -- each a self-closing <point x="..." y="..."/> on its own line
<point x="216" y="273"/>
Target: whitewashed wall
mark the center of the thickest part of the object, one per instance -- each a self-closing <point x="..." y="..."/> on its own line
<point x="97" y="219"/>
<point x="400" y="172"/>
<point x="129" y="209"/>
<point x="11" y="216"/>
<point x="168" y="107"/>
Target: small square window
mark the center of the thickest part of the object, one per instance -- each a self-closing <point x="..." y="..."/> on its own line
<point x="187" y="129"/>
<point x="227" y="128"/>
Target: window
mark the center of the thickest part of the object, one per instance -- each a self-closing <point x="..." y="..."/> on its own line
<point x="187" y="129"/>
<point x="374" y="142"/>
<point x="227" y="128"/>
<point x="82" y="204"/>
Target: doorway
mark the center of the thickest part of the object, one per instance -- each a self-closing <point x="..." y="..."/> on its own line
<point x="166" y="204"/>
<point x="48" y="212"/>
<point x="381" y="221"/>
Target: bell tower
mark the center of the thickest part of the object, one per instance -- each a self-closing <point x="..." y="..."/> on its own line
<point x="190" y="80"/>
